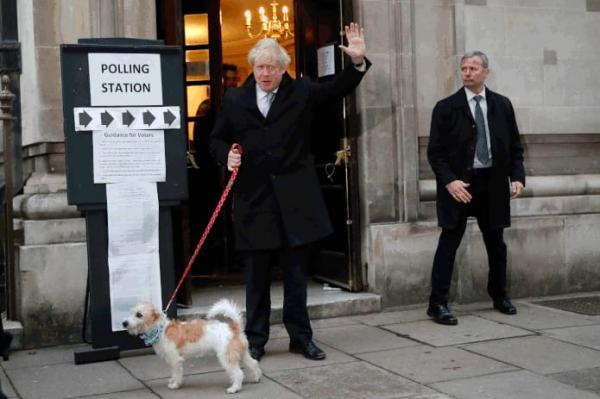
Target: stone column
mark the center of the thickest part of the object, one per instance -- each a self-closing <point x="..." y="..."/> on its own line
<point x="388" y="147"/>
<point x="52" y="260"/>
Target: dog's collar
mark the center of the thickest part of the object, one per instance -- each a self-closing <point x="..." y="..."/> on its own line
<point x="152" y="336"/>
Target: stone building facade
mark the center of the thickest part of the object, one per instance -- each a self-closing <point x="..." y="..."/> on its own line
<point x="543" y="57"/>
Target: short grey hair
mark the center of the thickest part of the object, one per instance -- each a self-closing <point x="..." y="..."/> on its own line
<point x="269" y="47"/>
<point x="484" y="59"/>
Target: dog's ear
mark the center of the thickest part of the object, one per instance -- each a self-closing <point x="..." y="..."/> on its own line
<point x="154" y="315"/>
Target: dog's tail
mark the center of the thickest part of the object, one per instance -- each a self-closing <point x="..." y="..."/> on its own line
<point x="226" y="308"/>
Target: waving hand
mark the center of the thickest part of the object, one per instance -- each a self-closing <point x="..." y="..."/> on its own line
<point x="356" y="48"/>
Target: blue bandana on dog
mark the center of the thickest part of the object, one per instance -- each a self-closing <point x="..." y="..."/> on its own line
<point x="152" y="336"/>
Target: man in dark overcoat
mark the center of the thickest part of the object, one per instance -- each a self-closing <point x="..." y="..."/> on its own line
<point x="278" y="208"/>
<point x="476" y="154"/>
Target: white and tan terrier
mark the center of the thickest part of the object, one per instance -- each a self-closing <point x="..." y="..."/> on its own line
<point x="220" y="333"/>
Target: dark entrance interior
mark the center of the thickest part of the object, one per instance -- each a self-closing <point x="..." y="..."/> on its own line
<point x="216" y="36"/>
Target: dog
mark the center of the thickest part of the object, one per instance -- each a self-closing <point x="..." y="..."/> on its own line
<point x="174" y="341"/>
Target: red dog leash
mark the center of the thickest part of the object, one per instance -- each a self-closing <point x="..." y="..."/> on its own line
<point x="236" y="148"/>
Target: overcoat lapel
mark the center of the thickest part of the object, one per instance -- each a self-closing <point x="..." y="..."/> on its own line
<point x="248" y="99"/>
<point x="459" y="101"/>
<point x="280" y="97"/>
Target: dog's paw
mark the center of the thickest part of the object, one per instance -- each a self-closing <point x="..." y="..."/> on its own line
<point x="174" y="384"/>
<point x="255" y="376"/>
<point x="234" y="389"/>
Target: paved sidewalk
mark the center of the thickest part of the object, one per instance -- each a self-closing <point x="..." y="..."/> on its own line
<point x="539" y="353"/>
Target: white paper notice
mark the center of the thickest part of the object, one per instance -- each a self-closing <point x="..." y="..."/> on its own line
<point x="125" y="79"/>
<point x="133" y="256"/>
<point x="326" y="60"/>
<point x="129" y="156"/>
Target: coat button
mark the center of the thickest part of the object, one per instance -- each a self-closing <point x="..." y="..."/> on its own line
<point x="473" y="126"/>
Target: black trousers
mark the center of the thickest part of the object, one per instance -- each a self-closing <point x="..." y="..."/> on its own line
<point x="493" y="238"/>
<point x="293" y="262"/>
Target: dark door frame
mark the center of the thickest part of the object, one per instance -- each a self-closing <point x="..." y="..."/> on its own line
<point x="309" y="9"/>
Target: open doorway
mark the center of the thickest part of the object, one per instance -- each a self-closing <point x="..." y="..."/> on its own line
<point x="216" y="37"/>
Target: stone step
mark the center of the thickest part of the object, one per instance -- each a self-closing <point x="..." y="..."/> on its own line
<point x="16" y="329"/>
<point x="323" y="301"/>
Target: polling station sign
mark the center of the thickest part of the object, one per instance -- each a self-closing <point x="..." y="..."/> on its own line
<point x="125" y="79"/>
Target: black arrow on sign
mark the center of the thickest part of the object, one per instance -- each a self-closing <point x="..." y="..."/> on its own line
<point x="148" y="118"/>
<point x="127" y="118"/>
<point x="106" y="118"/>
<point x="169" y="117"/>
<point x="84" y="119"/>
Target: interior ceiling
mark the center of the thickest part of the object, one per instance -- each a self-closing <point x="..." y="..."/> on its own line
<point x="233" y="26"/>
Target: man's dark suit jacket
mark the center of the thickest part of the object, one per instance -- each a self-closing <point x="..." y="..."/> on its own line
<point x="451" y="151"/>
<point x="276" y="195"/>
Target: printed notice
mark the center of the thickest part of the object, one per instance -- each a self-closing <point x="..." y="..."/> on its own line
<point x="133" y="256"/>
<point x="129" y="156"/>
<point x="125" y="79"/>
<point x="326" y="61"/>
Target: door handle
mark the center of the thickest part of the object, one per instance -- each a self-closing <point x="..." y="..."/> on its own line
<point x="343" y="154"/>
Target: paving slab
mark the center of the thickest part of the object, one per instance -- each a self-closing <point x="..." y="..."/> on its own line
<point x="426" y="365"/>
<point x="361" y="338"/>
<point x="61" y="381"/>
<point x="138" y="394"/>
<point x="278" y="357"/>
<point x="6" y="386"/>
<point x="358" y="380"/>
<point x="540" y="354"/>
<point x="334" y="322"/>
<point x="42" y="357"/>
<point x="469" y="329"/>
<point x="586" y="379"/>
<point x="513" y="385"/>
<point x="586" y="335"/>
<point x="395" y="317"/>
<point x="538" y="318"/>
<point x="152" y="367"/>
<point x="213" y="386"/>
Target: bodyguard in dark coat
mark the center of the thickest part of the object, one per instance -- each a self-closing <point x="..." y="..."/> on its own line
<point x="476" y="154"/>
<point x="277" y="205"/>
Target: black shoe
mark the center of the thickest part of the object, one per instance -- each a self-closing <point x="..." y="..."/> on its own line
<point x="441" y="314"/>
<point x="256" y="353"/>
<point x="5" y="345"/>
<point x="505" y="306"/>
<point x="309" y="350"/>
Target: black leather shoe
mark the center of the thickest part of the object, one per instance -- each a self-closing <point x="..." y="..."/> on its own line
<point x="256" y="353"/>
<point x="309" y="350"/>
<point x="441" y="314"/>
<point x="505" y="306"/>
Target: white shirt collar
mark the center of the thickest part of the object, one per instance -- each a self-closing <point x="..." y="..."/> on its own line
<point x="470" y="94"/>
<point x="260" y="93"/>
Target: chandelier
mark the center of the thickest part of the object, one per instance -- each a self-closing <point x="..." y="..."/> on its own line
<point x="273" y="28"/>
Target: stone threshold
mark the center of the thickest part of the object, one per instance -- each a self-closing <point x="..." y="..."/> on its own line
<point x="323" y="301"/>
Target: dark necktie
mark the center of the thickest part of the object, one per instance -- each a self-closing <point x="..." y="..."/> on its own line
<point x="481" y="151"/>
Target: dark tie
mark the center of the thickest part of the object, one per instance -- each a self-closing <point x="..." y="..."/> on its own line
<point x="481" y="151"/>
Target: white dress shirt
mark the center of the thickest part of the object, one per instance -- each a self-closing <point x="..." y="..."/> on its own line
<point x="262" y="100"/>
<point x="483" y="104"/>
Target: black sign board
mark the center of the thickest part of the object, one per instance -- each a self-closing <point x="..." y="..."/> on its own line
<point x="80" y="111"/>
<point x="81" y="189"/>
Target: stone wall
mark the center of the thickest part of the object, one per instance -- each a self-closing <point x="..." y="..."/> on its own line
<point x="544" y="57"/>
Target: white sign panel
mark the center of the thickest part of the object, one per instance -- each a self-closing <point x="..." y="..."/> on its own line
<point x="125" y="79"/>
<point x="326" y="60"/>
<point x="152" y="118"/>
<point x="129" y="156"/>
<point x="133" y="257"/>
